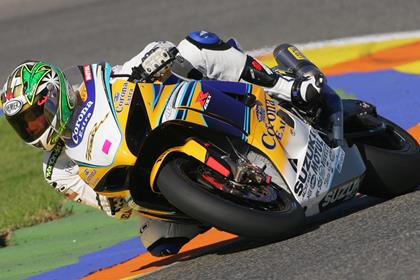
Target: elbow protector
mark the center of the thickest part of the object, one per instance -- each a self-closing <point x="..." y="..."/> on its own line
<point x="259" y="74"/>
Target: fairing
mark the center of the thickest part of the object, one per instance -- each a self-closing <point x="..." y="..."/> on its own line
<point x="305" y="162"/>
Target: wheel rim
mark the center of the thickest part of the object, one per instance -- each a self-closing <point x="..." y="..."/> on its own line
<point x="268" y="197"/>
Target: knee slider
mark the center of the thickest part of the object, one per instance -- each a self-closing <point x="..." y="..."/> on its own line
<point x="167" y="246"/>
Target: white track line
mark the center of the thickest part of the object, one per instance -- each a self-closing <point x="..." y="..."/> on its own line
<point x="345" y="41"/>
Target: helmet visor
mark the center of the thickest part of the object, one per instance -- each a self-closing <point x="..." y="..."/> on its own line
<point x="31" y="123"/>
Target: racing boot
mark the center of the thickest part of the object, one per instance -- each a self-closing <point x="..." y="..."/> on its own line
<point x="162" y="238"/>
<point x="301" y="92"/>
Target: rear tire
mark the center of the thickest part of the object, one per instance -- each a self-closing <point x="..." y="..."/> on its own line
<point x="213" y="208"/>
<point x="392" y="160"/>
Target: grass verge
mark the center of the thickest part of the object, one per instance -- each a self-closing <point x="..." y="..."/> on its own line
<point x="26" y="198"/>
<point x="41" y="248"/>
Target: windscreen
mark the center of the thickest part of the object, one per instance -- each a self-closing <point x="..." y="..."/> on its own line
<point x="63" y="101"/>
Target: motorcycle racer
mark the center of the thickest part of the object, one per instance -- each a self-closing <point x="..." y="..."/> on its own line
<point x="30" y="101"/>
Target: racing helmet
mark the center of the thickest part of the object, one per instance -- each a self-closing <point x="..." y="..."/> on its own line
<point x="38" y="102"/>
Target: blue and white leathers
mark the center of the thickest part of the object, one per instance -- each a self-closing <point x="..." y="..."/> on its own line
<point x="221" y="61"/>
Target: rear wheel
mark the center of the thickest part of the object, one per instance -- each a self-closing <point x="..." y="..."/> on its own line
<point x="392" y="160"/>
<point x="253" y="211"/>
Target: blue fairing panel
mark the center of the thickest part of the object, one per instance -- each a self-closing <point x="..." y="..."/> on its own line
<point x="233" y="88"/>
<point x="225" y="111"/>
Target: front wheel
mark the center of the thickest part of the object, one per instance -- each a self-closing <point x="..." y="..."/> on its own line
<point x="392" y="160"/>
<point x="265" y="211"/>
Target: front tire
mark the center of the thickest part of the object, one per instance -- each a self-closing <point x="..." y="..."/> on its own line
<point x="392" y="160"/>
<point x="181" y="188"/>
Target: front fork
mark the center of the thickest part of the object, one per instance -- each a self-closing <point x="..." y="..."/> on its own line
<point x="236" y="168"/>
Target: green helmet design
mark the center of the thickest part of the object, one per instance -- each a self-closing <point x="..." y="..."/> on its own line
<point x="31" y="79"/>
<point x="38" y="102"/>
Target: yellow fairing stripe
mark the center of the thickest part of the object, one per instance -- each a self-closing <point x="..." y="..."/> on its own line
<point x="115" y="194"/>
<point x="191" y="148"/>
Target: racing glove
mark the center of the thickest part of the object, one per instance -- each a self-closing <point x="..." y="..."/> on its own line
<point x="155" y="64"/>
<point x="307" y="92"/>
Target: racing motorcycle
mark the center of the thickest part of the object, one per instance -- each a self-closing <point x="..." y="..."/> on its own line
<point x="228" y="155"/>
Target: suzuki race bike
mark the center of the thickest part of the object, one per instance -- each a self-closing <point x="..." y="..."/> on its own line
<point x="228" y="155"/>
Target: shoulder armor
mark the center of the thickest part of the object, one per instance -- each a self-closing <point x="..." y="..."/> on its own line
<point x="204" y="37"/>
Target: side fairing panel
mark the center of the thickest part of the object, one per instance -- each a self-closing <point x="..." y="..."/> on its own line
<point x="96" y="124"/>
<point x="305" y="162"/>
<point x="220" y="107"/>
<point x="101" y="144"/>
<point x="284" y="138"/>
<point x="271" y="134"/>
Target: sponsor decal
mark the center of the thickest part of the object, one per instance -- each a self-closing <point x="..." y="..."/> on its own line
<point x="13" y="107"/>
<point x="83" y="93"/>
<point x="260" y="111"/>
<point x="82" y="121"/>
<point x="332" y="156"/>
<point x="121" y="98"/>
<point x="117" y="97"/>
<point x="52" y="160"/>
<point x="129" y="97"/>
<point x="340" y="194"/>
<point x="296" y="53"/>
<point x="87" y="72"/>
<point x="126" y="215"/>
<point x="170" y="111"/>
<point x="119" y="208"/>
<point x="89" y="174"/>
<point x="340" y="160"/>
<point x="91" y="137"/>
<point x="203" y="99"/>
<point x="106" y="146"/>
<point x="273" y="135"/>
<point x="9" y="95"/>
<point x="42" y="101"/>
<point x="83" y="116"/>
<point x="256" y="65"/>
<point x="316" y="172"/>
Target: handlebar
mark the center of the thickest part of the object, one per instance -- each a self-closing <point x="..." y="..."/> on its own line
<point x="290" y="59"/>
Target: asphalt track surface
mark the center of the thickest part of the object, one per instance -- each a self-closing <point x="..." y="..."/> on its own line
<point x="366" y="240"/>
<point x="82" y="31"/>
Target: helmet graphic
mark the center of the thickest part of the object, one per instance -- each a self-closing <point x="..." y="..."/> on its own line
<point x="38" y="102"/>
